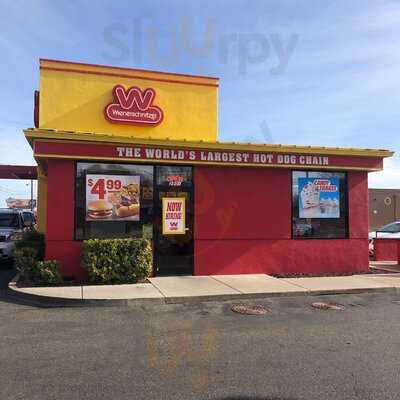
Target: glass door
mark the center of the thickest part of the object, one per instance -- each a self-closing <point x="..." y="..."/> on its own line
<point x="173" y="252"/>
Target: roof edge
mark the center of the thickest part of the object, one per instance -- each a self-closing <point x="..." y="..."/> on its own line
<point x="40" y="133"/>
<point x="81" y="65"/>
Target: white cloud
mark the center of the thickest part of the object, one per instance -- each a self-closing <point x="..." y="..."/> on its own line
<point x="389" y="178"/>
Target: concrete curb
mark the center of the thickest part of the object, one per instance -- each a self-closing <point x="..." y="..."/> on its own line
<point x="392" y="290"/>
<point x="47" y="301"/>
<point x="37" y="300"/>
<point x="247" y="296"/>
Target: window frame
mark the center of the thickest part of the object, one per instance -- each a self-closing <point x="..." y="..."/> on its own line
<point x="84" y="237"/>
<point x="346" y="209"/>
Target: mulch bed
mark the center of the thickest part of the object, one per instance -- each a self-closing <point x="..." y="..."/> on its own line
<point x="24" y="283"/>
<point x="323" y="275"/>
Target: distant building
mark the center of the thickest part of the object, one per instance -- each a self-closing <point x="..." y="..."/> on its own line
<point x="21" y="203"/>
<point x="384" y="207"/>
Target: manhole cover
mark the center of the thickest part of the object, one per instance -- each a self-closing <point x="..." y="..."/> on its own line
<point x="327" y="306"/>
<point x="249" y="310"/>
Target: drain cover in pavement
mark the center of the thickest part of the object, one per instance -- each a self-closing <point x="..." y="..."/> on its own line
<point x="328" y="306"/>
<point x="249" y="310"/>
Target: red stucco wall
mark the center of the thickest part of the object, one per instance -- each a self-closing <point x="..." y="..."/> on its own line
<point x="243" y="225"/>
<point x="257" y="242"/>
<point x="387" y="249"/>
<point x="358" y="205"/>
<point x="398" y="251"/>
<point x="60" y="244"/>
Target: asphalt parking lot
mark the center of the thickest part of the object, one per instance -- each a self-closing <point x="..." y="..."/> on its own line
<point x="202" y="351"/>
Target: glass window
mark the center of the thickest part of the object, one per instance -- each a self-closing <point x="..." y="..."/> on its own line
<point x="174" y="176"/>
<point x="127" y="192"/>
<point x="9" y="220"/>
<point x="28" y="218"/>
<point x="319" y="205"/>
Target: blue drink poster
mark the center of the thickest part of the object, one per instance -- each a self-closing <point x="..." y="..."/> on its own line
<point x="319" y="198"/>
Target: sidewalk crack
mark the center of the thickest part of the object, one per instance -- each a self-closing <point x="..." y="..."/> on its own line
<point x="159" y="290"/>
<point x="229" y="286"/>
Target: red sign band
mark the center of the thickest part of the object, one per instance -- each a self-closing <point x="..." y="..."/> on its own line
<point x="179" y="155"/>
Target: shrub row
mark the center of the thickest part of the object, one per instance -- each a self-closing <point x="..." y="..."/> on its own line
<point x="117" y="260"/>
<point x="107" y="261"/>
<point x="29" y="254"/>
<point x="34" y="240"/>
<point x="35" y="270"/>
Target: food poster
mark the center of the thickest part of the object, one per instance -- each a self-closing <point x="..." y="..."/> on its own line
<point x="112" y="197"/>
<point x="319" y="198"/>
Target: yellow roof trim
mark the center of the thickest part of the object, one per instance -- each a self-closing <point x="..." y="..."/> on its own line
<point x="32" y="134"/>
<point x="135" y="73"/>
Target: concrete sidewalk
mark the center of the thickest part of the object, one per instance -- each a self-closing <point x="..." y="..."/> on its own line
<point x="179" y="289"/>
<point x="387" y="266"/>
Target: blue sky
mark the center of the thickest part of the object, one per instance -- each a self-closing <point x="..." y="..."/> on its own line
<point x="292" y="72"/>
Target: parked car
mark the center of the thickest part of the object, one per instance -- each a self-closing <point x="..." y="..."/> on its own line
<point x="389" y="231"/>
<point x="12" y="224"/>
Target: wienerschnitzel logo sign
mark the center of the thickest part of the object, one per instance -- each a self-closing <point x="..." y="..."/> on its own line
<point x="133" y="106"/>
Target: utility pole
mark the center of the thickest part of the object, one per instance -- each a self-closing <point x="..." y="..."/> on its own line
<point x="32" y="195"/>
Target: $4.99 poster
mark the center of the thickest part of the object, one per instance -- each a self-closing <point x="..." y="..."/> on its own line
<point x="112" y="197"/>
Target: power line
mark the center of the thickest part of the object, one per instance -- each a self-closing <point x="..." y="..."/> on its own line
<point x="12" y="192"/>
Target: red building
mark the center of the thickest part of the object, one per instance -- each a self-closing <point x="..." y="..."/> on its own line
<point x="125" y="153"/>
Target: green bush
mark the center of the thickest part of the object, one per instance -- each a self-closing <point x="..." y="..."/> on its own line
<point x="34" y="240"/>
<point x="25" y="262"/>
<point x="111" y="261"/>
<point x="48" y="272"/>
<point x="34" y="271"/>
